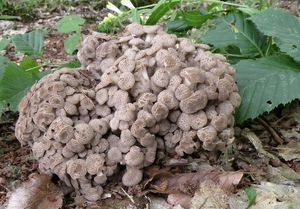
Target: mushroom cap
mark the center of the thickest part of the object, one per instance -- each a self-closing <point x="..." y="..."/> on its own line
<point x="132" y="177"/>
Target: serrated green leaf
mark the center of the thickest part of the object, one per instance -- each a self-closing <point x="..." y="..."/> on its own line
<point x="29" y="65"/>
<point x="283" y="27"/>
<point x="160" y="9"/>
<point x="29" y="43"/>
<point x="266" y="83"/>
<point x="71" y="43"/>
<point x="14" y="84"/>
<point x="251" y="195"/>
<point x="195" y="19"/>
<point x="3" y="43"/>
<point x="234" y="29"/>
<point x="70" y="23"/>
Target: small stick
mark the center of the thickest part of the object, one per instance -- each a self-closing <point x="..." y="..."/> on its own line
<point x="129" y="196"/>
<point x="274" y="134"/>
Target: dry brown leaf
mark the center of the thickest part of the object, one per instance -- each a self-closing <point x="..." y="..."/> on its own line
<point x="37" y="192"/>
<point x="187" y="183"/>
<point x="290" y="151"/>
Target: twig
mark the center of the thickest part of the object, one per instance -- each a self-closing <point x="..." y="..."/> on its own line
<point x="274" y="134"/>
<point x="129" y="196"/>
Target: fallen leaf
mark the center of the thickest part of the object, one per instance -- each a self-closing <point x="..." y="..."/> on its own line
<point x="37" y="192"/>
<point x="187" y="183"/>
<point x="210" y="195"/>
<point x="180" y="199"/>
<point x="290" y="151"/>
<point x="282" y="174"/>
<point x="256" y="143"/>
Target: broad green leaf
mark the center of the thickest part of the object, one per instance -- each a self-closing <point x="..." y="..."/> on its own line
<point x="283" y="27"/>
<point x="195" y="19"/>
<point x="266" y="83"/>
<point x="3" y="43"/>
<point x="3" y="62"/>
<point x="29" y="65"/>
<point x="71" y="64"/>
<point x="251" y="195"/>
<point x="14" y="84"/>
<point x="234" y="29"/>
<point x="70" y="23"/>
<point x="160" y="9"/>
<point x="71" y="43"/>
<point x="29" y="43"/>
<point x="177" y="25"/>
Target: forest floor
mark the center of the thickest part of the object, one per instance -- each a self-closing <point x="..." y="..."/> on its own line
<point x="265" y="150"/>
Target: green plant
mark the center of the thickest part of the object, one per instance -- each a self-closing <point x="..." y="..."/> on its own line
<point x="71" y="24"/>
<point x="16" y="79"/>
<point x="262" y="43"/>
<point x="251" y="195"/>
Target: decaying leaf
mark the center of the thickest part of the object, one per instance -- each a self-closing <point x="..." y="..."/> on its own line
<point x="37" y="192"/>
<point x="187" y="183"/>
<point x="210" y="195"/>
<point x="282" y="174"/>
<point x="256" y="143"/>
<point x="290" y="151"/>
<point x="270" y="195"/>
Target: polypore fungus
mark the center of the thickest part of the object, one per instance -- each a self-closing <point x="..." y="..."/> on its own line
<point x="138" y="94"/>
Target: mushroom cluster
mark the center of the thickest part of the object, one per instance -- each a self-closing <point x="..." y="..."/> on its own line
<point x="136" y="94"/>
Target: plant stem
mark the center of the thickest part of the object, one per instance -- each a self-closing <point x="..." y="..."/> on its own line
<point x="226" y="3"/>
<point x="269" y="44"/>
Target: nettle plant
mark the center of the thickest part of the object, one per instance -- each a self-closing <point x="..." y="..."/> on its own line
<point x="17" y="78"/>
<point x="261" y="42"/>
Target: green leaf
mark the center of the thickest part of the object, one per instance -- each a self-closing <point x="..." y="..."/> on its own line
<point x="251" y="195"/>
<point x="71" y="64"/>
<point x="9" y="17"/>
<point x="42" y="74"/>
<point x="14" y="84"/>
<point x="3" y="43"/>
<point x="3" y="62"/>
<point x="70" y="23"/>
<point x="266" y="83"/>
<point x="29" y="65"/>
<point x="160" y="9"/>
<point x="135" y="15"/>
<point x="234" y="29"/>
<point x="177" y="25"/>
<point x="29" y="43"/>
<point x="283" y="27"/>
<point x="71" y="43"/>
<point x="195" y="19"/>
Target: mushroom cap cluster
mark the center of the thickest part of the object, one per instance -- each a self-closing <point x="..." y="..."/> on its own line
<point x="137" y="94"/>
